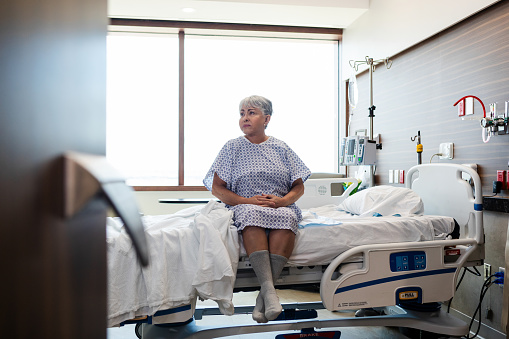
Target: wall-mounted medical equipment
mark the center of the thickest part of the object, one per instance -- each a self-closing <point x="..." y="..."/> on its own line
<point x="497" y="124"/>
<point x="493" y="124"/>
<point x="357" y="150"/>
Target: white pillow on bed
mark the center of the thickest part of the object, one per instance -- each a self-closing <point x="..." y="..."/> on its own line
<point x="383" y="200"/>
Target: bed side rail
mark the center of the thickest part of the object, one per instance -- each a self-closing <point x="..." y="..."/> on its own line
<point x="444" y="191"/>
<point x="393" y="272"/>
<point x="325" y="191"/>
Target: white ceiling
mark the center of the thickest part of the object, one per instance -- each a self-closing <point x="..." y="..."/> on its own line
<point x="308" y="13"/>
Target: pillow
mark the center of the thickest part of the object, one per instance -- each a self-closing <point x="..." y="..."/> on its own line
<point x="383" y="200"/>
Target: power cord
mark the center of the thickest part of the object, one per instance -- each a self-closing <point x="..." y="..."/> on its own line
<point x="465" y="269"/>
<point x="457" y="286"/>
<point x="439" y="154"/>
<point x="487" y="284"/>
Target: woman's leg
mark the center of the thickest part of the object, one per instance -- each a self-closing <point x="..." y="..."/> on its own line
<point x="281" y="243"/>
<point x="256" y="244"/>
<point x="260" y="261"/>
<point x="277" y="263"/>
<point x="255" y="239"/>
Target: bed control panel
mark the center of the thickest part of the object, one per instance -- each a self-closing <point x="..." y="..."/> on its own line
<point x="408" y="261"/>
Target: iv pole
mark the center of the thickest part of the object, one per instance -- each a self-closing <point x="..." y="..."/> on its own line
<point x="371" y="68"/>
<point x="372" y="107"/>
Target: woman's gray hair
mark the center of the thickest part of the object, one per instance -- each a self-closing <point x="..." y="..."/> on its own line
<point x="264" y="104"/>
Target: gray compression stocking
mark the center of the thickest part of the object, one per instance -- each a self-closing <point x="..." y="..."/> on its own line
<point x="260" y="261"/>
<point x="277" y="263"/>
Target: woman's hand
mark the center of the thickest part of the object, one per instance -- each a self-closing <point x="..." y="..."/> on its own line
<point x="220" y="191"/>
<point x="270" y="200"/>
<point x="258" y="200"/>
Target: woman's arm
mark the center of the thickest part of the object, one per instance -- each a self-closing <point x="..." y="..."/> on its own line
<point x="220" y="191"/>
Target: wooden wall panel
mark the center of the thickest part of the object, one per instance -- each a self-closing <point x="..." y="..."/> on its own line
<point x="418" y="92"/>
<point x="52" y="100"/>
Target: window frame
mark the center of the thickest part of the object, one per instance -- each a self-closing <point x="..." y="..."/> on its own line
<point x="118" y="25"/>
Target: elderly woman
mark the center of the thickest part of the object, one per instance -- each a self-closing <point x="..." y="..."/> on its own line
<point x="260" y="178"/>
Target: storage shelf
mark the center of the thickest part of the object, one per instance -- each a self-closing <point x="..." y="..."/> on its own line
<point x="496" y="204"/>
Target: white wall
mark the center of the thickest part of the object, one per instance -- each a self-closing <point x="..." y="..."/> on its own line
<point x="391" y="26"/>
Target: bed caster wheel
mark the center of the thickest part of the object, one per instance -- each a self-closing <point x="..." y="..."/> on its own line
<point x="368" y="312"/>
<point x="137" y="330"/>
<point x="413" y="333"/>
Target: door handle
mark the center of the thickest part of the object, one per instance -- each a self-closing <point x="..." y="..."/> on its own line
<point x="85" y="176"/>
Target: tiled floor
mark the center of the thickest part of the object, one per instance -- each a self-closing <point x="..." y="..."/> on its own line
<point x="286" y="296"/>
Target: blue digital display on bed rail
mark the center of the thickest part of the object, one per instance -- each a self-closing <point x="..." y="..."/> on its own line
<point x="408" y="261"/>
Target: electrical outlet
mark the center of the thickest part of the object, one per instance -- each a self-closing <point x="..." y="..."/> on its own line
<point x="487" y="270"/>
<point x="447" y="150"/>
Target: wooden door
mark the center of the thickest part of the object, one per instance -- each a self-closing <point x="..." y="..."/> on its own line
<point x="52" y="99"/>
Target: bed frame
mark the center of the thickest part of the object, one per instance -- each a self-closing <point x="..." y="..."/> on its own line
<point x="403" y="282"/>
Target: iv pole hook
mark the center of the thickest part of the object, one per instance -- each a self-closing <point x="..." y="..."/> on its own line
<point x="419" y="147"/>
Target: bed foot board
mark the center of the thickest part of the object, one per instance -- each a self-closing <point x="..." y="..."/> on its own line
<point x="439" y="322"/>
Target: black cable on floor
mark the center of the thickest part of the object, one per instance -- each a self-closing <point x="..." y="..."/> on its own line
<point x="457" y="286"/>
<point x="465" y="269"/>
<point x="486" y="285"/>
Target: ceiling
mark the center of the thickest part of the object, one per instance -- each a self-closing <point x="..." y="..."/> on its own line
<point x="307" y="13"/>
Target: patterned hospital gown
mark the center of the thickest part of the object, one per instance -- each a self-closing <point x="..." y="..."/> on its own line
<point x="252" y="169"/>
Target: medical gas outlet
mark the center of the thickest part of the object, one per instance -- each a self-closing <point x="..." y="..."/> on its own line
<point x="496" y="124"/>
<point x="493" y="124"/>
<point x="357" y="150"/>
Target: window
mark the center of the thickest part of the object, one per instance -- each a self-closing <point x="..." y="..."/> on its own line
<point x="142" y="108"/>
<point x="299" y="76"/>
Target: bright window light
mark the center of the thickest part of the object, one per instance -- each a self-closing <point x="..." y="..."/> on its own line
<point x="298" y="76"/>
<point x="142" y="108"/>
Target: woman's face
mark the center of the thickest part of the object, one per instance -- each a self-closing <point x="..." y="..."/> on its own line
<point x="252" y="120"/>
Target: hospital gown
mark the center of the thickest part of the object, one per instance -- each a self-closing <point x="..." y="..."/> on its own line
<point x="254" y="169"/>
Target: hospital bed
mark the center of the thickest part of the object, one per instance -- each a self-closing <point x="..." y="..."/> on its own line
<point x="386" y="257"/>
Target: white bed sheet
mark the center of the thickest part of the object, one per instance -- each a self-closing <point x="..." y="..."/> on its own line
<point x="193" y="253"/>
<point x="320" y="245"/>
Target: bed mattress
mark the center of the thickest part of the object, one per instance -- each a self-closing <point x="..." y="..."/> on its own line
<point x="320" y="243"/>
<point x="326" y="231"/>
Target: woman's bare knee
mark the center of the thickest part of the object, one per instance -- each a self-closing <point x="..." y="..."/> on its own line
<point x="254" y="239"/>
<point x="281" y="242"/>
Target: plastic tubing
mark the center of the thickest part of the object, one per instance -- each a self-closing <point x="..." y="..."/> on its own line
<point x="473" y="96"/>
<point x="483" y="132"/>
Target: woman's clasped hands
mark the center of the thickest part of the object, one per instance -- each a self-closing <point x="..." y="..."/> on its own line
<point x="267" y="200"/>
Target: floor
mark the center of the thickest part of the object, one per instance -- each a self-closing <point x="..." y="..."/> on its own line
<point x="285" y="296"/>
